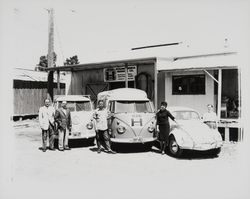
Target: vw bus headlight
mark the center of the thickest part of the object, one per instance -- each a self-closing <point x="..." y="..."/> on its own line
<point x="89" y="125"/>
<point x="151" y="129"/>
<point x="121" y="129"/>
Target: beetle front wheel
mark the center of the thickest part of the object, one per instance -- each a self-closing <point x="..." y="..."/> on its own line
<point x="174" y="148"/>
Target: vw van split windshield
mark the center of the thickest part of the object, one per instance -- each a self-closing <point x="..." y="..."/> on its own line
<point x="186" y="115"/>
<point x="78" y="106"/>
<point x="133" y="107"/>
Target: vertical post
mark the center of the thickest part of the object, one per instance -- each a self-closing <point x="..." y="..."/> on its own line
<point x="126" y="75"/>
<point x="219" y="93"/>
<point x="51" y="39"/>
<point x="50" y="86"/>
<point x="58" y="83"/>
<point x="155" y="85"/>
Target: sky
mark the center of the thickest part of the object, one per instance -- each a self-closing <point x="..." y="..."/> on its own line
<point x="95" y="29"/>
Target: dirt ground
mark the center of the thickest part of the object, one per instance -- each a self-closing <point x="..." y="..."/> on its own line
<point x="131" y="173"/>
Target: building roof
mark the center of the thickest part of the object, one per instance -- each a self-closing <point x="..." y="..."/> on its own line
<point x="32" y="75"/>
<point x="198" y="62"/>
<point x="221" y="59"/>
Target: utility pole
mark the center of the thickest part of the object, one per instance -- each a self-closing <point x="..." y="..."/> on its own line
<point x="50" y="86"/>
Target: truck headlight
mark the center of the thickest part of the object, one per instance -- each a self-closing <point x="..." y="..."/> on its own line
<point x="89" y="125"/>
<point x="121" y="129"/>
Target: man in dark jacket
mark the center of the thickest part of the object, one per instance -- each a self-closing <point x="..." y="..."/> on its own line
<point x="63" y="118"/>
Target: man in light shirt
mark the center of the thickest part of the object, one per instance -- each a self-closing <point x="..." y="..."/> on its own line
<point x="46" y="121"/>
<point x="210" y="117"/>
<point x="101" y="127"/>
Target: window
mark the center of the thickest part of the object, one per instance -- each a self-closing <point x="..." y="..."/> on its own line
<point x="70" y="105"/>
<point x="188" y="85"/>
<point x="133" y="107"/>
<point x="78" y="106"/>
<point x="83" y="106"/>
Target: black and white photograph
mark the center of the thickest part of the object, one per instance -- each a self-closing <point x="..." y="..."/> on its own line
<point x="125" y="99"/>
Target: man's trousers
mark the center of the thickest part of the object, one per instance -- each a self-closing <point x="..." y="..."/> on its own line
<point x="48" y="133"/>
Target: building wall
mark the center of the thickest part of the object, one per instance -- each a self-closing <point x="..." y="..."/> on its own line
<point x="29" y="96"/>
<point x="197" y="102"/>
<point x="80" y="79"/>
<point x="161" y="89"/>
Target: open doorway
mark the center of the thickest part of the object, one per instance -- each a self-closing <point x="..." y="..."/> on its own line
<point x="230" y="100"/>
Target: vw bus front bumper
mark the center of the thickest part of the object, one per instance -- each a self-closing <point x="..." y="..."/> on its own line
<point x="132" y="140"/>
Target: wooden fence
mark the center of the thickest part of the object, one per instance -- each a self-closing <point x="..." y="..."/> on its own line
<point x="30" y="96"/>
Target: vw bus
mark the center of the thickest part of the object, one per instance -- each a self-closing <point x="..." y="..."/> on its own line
<point x="81" y="115"/>
<point x="132" y="115"/>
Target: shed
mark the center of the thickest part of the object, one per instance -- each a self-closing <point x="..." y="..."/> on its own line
<point x="30" y="91"/>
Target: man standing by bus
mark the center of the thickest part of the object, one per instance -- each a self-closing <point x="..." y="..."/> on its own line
<point x="46" y="121"/>
<point x="63" y="119"/>
<point x="101" y="127"/>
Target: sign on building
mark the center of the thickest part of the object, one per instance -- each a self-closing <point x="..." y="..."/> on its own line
<point x="117" y="74"/>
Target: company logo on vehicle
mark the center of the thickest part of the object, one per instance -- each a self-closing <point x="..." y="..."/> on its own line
<point x="136" y="122"/>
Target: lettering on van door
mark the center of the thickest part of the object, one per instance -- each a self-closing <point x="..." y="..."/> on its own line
<point x="136" y="122"/>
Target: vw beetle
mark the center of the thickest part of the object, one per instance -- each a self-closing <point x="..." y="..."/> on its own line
<point x="191" y="133"/>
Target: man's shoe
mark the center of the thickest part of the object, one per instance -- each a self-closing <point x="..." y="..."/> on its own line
<point x="163" y="152"/>
<point x="52" y="149"/>
<point x="66" y="148"/>
<point x="99" y="150"/>
<point x="61" y="149"/>
<point x="44" y="150"/>
<point x="112" y="152"/>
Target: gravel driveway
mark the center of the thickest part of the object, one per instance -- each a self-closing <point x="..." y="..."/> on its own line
<point x="132" y="173"/>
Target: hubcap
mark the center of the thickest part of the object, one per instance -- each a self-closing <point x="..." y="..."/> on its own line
<point x="174" y="147"/>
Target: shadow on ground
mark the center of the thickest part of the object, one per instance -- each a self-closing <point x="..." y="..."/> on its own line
<point x="131" y="148"/>
<point x="187" y="154"/>
<point x="78" y="143"/>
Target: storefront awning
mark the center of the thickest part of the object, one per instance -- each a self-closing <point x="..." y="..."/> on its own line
<point x="199" y="62"/>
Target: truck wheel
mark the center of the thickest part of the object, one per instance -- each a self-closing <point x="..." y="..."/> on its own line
<point x="174" y="148"/>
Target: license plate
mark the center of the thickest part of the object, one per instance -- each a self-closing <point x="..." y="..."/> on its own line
<point x="137" y="139"/>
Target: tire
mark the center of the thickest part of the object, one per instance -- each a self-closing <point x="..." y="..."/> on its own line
<point x="148" y="146"/>
<point x="174" y="148"/>
<point x="215" y="152"/>
<point x="92" y="141"/>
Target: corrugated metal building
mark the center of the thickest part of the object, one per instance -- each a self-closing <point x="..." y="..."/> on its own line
<point x="30" y="91"/>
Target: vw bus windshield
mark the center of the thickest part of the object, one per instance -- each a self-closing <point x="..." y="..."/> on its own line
<point x="186" y="115"/>
<point x="133" y="107"/>
<point x="83" y="106"/>
<point x="78" y="106"/>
